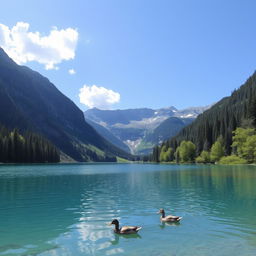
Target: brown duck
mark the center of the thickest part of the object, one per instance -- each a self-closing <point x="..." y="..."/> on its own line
<point x="168" y="218"/>
<point x="125" y="229"/>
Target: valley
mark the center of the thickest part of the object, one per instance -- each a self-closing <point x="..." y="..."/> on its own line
<point x="141" y="129"/>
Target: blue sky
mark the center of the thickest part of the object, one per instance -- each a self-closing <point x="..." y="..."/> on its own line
<point x="149" y="53"/>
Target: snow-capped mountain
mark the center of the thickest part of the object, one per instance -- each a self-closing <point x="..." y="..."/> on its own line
<point x="133" y="126"/>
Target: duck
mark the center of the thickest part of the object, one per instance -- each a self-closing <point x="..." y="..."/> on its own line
<point x="168" y="218"/>
<point x="125" y="229"/>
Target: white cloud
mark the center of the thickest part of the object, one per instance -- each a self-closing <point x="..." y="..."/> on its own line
<point x="98" y="97"/>
<point x="24" y="46"/>
<point x="71" y="71"/>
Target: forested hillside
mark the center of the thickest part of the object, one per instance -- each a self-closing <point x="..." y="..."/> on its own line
<point x="29" y="101"/>
<point x="26" y="148"/>
<point x="238" y="110"/>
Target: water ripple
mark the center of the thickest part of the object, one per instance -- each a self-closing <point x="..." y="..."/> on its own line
<point x="64" y="210"/>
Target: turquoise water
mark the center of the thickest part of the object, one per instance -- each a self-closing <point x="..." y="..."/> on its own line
<point x="64" y="209"/>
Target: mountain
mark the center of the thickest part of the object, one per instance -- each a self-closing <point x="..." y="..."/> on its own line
<point x="168" y="128"/>
<point x="137" y="127"/>
<point x="29" y="101"/>
<point x="105" y="133"/>
<point x="237" y="110"/>
<point x="111" y="117"/>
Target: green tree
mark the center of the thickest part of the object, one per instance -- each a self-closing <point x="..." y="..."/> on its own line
<point x="252" y="109"/>
<point x="170" y="154"/>
<point x="204" y="157"/>
<point x="166" y="154"/>
<point x="162" y="157"/>
<point x="249" y="149"/>
<point x="187" y="151"/>
<point x="240" y="136"/>
<point x="177" y="155"/>
<point x="155" y="154"/>
<point x="217" y="150"/>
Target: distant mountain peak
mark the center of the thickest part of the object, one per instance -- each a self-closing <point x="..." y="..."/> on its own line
<point x="132" y="126"/>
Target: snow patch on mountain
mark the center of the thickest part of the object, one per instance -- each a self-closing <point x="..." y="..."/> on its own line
<point x="131" y="125"/>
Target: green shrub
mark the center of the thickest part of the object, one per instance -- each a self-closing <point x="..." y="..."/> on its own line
<point x="204" y="157"/>
<point x="233" y="159"/>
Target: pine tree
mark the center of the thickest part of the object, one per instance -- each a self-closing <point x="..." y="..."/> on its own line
<point x="26" y="148"/>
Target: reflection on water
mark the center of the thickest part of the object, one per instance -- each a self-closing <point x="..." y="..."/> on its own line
<point x="115" y="241"/>
<point x="173" y="224"/>
<point x="64" y="209"/>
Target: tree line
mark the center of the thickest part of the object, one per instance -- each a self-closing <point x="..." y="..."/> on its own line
<point x="243" y="150"/>
<point x="26" y="148"/>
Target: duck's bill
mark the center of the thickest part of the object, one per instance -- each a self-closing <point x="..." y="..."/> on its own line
<point x="109" y="224"/>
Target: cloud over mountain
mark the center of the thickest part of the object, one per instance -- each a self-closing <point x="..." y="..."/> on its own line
<point x="98" y="96"/>
<point x="24" y="46"/>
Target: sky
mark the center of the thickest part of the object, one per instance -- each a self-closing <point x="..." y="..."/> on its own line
<point x="119" y="54"/>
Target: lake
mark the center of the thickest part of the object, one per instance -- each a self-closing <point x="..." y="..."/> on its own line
<point x="64" y="209"/>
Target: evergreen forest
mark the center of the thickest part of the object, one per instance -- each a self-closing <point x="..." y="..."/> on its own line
<point x="26" y="148"/>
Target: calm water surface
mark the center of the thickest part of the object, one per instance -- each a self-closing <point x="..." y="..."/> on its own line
<point x="64" y="209"/>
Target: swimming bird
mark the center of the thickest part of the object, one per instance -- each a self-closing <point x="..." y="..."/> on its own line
<point x="169" y="218"/>
<point x="125" y="229"/>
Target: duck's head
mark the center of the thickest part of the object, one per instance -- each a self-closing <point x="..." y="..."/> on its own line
<point x="161" y="211"/>
<point x="114" y="222"/>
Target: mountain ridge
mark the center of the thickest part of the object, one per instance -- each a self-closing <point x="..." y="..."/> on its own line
<point x="133" y="126"/>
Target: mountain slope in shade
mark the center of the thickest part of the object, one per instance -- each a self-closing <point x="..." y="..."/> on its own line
<point x="104" y="132"/>
<point x="30" y="101"/>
